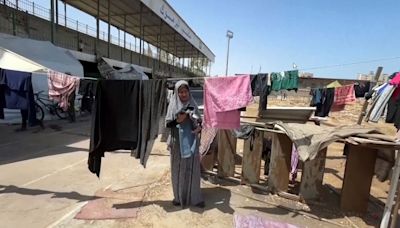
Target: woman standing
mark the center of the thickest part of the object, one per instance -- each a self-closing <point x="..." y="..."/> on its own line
<point x="183" y="118"/>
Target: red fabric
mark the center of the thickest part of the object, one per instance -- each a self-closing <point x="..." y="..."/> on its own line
<point x="396" y="82"/>
<point x="61" y="86"/>
<point x="344" y="95"/>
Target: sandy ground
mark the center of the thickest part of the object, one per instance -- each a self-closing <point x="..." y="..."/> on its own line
<point x="44" y="182"/>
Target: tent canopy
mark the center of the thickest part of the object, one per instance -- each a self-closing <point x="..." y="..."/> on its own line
<point x="333" y="84"/>
<point x="12" y="61"/>
<point x="35" y="56"/>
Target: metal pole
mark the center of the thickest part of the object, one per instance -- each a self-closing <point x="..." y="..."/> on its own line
<point x="16" y="4"/>
<point x="13" y="23"/>
<point x="56" y="12"/>
<point x="119" y="41"/>
<point x="97" y="28"/>
<point x="392" y="192"/>
<point x="65" y="13"/>
<point x="77" y="36"/>
<point x="130" y="47"/>
<point x="33" y="8"/>
<point x="169" y="64"/>
<point x="123" y="50"/>
<point x="141" y="32"/>
<point x="227" y="58"/>
<point x="135" y="44"/>
<point x="109" y="28"/>
<point x="159" y="45"/>
<point x="125" y="32"/>
<point x="209" y="69"/>
<point x="52" y="20"/>
<point x="365" y="105"/>
<point x="176" y="52"/>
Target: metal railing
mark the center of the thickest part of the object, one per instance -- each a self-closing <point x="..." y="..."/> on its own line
<point x="37" y="10"/>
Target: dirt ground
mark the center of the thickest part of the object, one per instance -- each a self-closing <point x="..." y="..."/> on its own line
<point x="44" y="182"/>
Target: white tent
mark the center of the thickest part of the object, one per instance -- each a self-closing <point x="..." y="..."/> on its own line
<point x="37" y="57"/>
<point x="9" y="60"/>
<point x="42" y="53"/>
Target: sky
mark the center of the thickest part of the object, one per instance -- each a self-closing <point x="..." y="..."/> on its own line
<point x="330" y="38"/>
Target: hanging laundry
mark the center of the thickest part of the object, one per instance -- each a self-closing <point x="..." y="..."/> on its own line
<point x="344" y="95"/>
<point x="288" y="80"/>
<point x="379" y="103"/>
<point x="293" y="163"/>
<point x="61" y="87"/>
<point x="316" y="97"/>
<point x="323" y="100"/>
<point x="207" y="137"/>
<point x="2" y="100"/>
<point x="393" y="111"/>
<point x="361" y="88"/>
<point x="223" y="96"/>
<point x="18" y="94"/>
<point x="115" y="119"/>
<point x="153" y="106"/>
<point x="260" y="86"/>
<point x="17" y="84"/>
<point x="87" y="88"/>
<point x="244" y="132"/>
<point x="395" y="81"/>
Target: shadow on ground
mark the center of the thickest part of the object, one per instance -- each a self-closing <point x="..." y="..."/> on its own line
<point x="10" y="189"/>
<point x="215" y="198"/>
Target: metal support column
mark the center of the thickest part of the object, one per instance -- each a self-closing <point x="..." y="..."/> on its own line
<point x="14" y="23"/>
<point x="209" y="69"/>
<point x="109" y="27"/>
<point x="141" y="33"/>
<point x="183" y="58"/>
<point x="123" y="50"/>
<point x="176" y="52"/>
<point x="16" y="4"/>
<point x="159" y="45"/>
<point x="96" y="48"/>
<point x="119" y="42"/>
<point x="52" y="20"/>
<point x="56" y="12"/>
<point x="199" y="65"/>
<point x="130" y="50"/>
<point x="65" y="14"/>
<point x="169" y="64"/>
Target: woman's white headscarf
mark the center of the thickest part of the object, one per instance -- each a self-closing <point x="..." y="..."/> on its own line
<point x="176" y="105"/>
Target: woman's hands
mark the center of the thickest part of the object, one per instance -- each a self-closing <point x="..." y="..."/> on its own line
<point x="197" y="130"/>
<point x="181" y="117"/>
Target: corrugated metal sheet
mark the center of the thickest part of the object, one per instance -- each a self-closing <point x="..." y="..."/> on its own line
<point x="288" y="114"/>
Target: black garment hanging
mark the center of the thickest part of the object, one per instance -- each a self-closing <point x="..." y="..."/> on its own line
<point x="115" y="119"/>
<point x="153" y="107"/>
<point x="87" y="88"/>
<point x="323" y="100"/>
<point x="393" y="111"/>
<point x="2" y="101"/>
<point x="361" y="89"/>
<point x="259" y="87"/>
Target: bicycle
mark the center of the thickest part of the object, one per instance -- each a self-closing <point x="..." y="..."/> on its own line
<point x="50" y="106"/>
